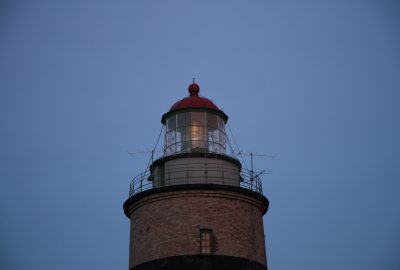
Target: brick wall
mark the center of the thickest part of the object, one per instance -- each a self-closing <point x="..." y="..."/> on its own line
<point x="168" y="224"/>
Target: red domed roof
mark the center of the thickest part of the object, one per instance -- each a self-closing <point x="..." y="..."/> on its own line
<point x="194" y="100"/>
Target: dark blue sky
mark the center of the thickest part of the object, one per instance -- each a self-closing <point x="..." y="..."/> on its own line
<point x="82" y="83"/>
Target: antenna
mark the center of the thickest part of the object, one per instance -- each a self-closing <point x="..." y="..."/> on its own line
<point x="258" y="155"/>
<point x="252" y="169"/>
<point x="155" y="150"/>
<point x="254" y="175"/>
<point x="145" y="152"/>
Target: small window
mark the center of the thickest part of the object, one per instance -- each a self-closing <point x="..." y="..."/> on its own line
<point x="206" y="241"/>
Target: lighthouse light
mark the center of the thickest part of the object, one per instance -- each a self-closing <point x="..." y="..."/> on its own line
<point x="194" y="132"/>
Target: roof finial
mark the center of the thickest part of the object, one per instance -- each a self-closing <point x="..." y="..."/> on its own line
<point x="194" y="80"/>
<point x="194" y="89"/>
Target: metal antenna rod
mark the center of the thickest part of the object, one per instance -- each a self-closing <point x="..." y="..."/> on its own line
<point x="251" y="160"/>
<point x="252" y="168"/>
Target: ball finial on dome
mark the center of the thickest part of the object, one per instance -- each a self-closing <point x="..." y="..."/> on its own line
<point x="194" y="89"/>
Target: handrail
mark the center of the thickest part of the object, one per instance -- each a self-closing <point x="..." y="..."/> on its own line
<point x="248" y="179"/>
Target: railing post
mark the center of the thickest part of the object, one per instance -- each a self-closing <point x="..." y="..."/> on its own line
<point x="205" y="171"/>
<point x="141" y="181"/>
<point x="223" y="175"/>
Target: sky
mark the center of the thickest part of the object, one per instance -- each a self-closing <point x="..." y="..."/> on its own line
<point x="83" y="85"/>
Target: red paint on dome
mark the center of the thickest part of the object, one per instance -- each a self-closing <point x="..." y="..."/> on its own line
<point x="194" y="100"/>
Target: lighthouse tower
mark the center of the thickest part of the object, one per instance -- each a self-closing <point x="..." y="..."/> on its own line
<point x="196" y="207"/>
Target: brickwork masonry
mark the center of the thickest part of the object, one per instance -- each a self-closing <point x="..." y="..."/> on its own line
<point x="165" y="224"/>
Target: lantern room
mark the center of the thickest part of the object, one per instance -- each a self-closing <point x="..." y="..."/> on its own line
<point x="194" y="124"/>
<point x="195" y="149"/>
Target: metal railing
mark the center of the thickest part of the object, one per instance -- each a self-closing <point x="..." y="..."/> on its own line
<point x="196" y="174"/>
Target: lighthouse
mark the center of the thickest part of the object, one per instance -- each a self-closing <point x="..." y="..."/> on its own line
<point x="196" y="207"/>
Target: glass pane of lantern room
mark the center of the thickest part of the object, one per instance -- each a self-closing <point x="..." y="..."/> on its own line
<point x="222" y="141"/>
<point x="221" y="124"/>
<point x="183" y="119"/>
<point x="212" y="121"/>
<point x="213" y="140"/>
<point x="222" y="135"/>
<point x="212" y="132"/>
<point x="198" y="118"/>
<point x="171" y="142"/>
<point x="171" y="123"/>
<point x="198" y="131"/>
<point x="183" y="132"/>
<point x="170" y="138"/>
<point x="183" y="139"/>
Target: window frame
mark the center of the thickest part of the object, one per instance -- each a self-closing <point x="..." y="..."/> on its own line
<point x="206" y="241"/>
